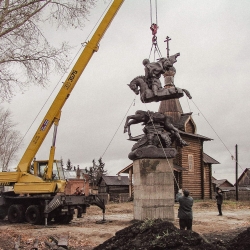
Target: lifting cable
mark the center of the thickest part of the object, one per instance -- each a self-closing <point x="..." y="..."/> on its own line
<point x="154" y="27"/>
<point x="188" y="104"/>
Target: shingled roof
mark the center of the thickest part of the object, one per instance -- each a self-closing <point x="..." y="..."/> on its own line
<point x="219" y="183"/>
<point x="209" y="159"/>
<point x="204" y="138"/>
<point x="115" y="180"/>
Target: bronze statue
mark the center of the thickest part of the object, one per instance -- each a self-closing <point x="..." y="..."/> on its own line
<point x="159" y="131"/>
<point x="149" y="86"/>
<point x="156" y="124"/>
<point x="159" y="135"/>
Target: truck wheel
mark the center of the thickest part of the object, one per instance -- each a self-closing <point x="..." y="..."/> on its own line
<point x="16" y="213"/>
<point x="3" y="212"/>
<point x="33" y="215"/>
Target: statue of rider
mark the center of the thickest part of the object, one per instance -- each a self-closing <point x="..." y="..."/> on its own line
<point x="155" y="127"/>
<point x="153" y="72"/>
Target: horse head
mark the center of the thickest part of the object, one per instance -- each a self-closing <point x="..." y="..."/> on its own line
<point x="137" y="82"/>
<point x="168" y="62"/>
<point x="134" y="87"/>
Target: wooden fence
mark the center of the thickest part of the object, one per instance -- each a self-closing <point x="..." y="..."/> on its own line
<point x="243" y="195"/>
<point x="119" y="198"/>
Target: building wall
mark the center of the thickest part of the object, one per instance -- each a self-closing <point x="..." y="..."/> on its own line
<point x="74" y="183"/>
<point x="207" y="181"/>
<point x="245" y="180"/>
<point x="191" y="179"/>
<point x="102" y="187"/>
<point x="189" y="128"/>
<point x="242" y="195"/>
<point x="226" y="184"/>
<point x="118" y="189"/>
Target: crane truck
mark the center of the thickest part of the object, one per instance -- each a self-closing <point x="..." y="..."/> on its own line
<point x="39" y="185"/>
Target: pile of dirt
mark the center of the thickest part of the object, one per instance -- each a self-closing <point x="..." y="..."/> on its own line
<point x="241" y="241"/>
<point x="156" y="234"/>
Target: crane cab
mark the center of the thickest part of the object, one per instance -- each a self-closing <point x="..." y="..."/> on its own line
<point x="40" y="168"/>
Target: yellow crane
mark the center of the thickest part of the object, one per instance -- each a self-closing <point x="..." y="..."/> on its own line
<point x="34" y="178"/>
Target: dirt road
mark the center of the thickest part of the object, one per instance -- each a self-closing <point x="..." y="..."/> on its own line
<point x="87" y="232"/>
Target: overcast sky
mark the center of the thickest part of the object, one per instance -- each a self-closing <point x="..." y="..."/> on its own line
<point x="213" y="40"/>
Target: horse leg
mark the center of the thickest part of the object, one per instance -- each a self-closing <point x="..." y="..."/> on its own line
<point x="126" y="123"/>
<point x="138" y="117"/>
<point x="187" y="93"/>
<point x="129" y="124"/>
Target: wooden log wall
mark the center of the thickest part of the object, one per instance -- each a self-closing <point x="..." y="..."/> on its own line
<point x="189" y="128"/>
<point x="207" y="181"/>
<point x="118" y="189"/>
<point x="245" y="180"/>
<point x="192" y="179"/>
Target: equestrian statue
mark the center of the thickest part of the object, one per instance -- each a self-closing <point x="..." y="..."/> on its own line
<point x="149" y="86"/>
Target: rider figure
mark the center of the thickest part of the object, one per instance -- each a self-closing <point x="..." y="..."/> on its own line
<point x="153" y="72"/>
<point x="155" y="127"/>
<point x="156" y="130"/>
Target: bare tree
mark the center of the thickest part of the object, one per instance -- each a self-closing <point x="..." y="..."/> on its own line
<point x="26" y="56"/>
<point x="96" y="172"/>
<point x="69" y="165"/>
<point x="10" y="140"/>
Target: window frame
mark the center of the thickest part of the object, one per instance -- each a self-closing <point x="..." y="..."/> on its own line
<point x="190" y="162"/>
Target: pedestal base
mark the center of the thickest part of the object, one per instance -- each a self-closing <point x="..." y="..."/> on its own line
<point x="153" y="189"/>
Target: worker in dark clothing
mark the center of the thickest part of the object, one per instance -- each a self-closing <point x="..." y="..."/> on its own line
<point x="185" y="212"/>
<point x="79" y="208"/>
<point x="219" y="200"/>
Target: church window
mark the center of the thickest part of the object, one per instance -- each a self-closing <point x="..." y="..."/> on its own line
<point x="190" y="162"/>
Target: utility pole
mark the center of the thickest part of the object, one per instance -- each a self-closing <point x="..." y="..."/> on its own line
<point x="236" y="172"/>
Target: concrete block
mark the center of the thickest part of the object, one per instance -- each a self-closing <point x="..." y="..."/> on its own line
<point x="153" y="189"/>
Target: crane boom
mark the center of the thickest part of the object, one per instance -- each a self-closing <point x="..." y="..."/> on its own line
<point x="53" y="114"/>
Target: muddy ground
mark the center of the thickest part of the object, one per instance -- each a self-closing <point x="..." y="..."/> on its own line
<point x="88" y="232"/>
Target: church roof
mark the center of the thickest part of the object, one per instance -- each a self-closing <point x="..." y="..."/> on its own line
<point x="202" y="137"/>
<point x="209" y="159"/>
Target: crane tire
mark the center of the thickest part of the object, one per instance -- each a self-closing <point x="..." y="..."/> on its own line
<point x="33" y="215"/>
<point x="16" y="213"/>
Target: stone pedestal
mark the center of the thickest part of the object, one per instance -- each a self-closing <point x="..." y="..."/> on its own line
<point x="153" y="189"/>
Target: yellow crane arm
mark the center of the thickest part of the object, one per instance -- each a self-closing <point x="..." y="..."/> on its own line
<point x="68" y="85"/>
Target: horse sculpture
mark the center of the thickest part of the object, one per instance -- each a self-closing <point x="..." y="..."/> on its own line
<point x="151" y="119"/>
<point x="138" y="117"/>
<point x="139" y="85"/>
